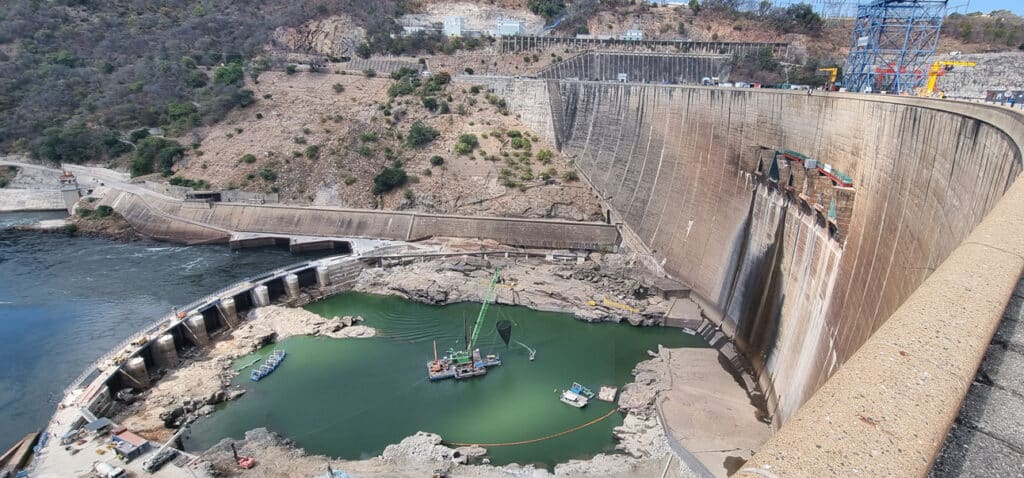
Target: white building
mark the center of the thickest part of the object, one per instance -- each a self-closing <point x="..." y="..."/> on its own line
<point x="634" y="34"/>
<point x="508" y="28"/>
<point x="454" y="26"/>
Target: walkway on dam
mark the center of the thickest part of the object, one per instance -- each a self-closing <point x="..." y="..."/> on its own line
<point x="987" y="438"/>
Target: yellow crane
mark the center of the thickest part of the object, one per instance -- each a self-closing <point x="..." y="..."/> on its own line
<point x="938" y="69"/>
<point x="833" y="72"/>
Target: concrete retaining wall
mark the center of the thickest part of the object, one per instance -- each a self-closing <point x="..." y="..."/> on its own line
<point x="31" y="200"/>
<point x="197" y="222"/>
<point x="674" y="164"/>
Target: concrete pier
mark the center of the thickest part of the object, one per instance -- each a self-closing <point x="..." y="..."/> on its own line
<point x="260" y="296"/>
<point x="228" y="312"/>
<point x="196" y="327"/>
<point x="291" y="285"/>
<point x="323" y="277"/>
<point x="138" y="375"/>
<point x="165" y="355"/>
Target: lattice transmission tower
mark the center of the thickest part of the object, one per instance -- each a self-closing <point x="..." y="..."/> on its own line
<point x="893" y="45"/>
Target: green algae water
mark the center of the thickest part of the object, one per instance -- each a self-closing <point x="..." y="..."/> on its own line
<point x="350" y="398"/>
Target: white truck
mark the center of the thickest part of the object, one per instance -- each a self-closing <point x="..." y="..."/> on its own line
<point x="107" y="471"/>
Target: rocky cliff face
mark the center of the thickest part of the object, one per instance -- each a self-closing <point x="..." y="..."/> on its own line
<point x="995" y="71"/>
<point x="332" y="36"/>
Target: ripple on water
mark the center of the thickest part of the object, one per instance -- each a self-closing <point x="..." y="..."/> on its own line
<point x="64" y="301"/>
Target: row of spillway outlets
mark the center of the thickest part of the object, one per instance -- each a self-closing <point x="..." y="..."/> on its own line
<point x="163" y="351"/>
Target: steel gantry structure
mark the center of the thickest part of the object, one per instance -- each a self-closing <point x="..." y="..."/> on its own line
<point x="893" y="45"/>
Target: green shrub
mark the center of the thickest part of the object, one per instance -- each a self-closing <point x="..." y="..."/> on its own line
<point x="71" y="229"/>
<point x="268" y="174"/>
<point x="427" y="172"/>
<point x="338" y="87"/>
<point x="436" y="160"/>
<point x="249" y="159"/>
<point x="370" y="72"/>
<point x="312" y="151"/>
<point x="299" y="140"/>
<point x="570" y="175"/>
<point x="430" y="103"/>
<point x="156" y="154"/>
<point x="421" y="134"/>
<point x="470" y="139"/>
<point x="137" y="135"/>
<point x="366" y="150"/>
<point x="289" y="69"/>
<point x="230" y="74"/>
<point x="520" y="143"/>
<point x="369" y="136"/>
<point x="350" y="180"/>
<point x="409" y="195"/>
<point x="388" y="179"/>
<point x="544" y="156"/>
<point x="463" y="148"/>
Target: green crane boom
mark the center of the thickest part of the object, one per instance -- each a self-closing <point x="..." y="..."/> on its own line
<point x="483" y="310"/>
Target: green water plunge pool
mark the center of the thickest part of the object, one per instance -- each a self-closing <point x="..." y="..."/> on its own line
<point x="350" y="398"/>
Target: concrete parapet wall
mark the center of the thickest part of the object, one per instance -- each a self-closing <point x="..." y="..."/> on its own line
<point x="197" y="222"/>
<point x="525" y="42"/>
<point x="666" y="68"/>
<point x="673" y="164"/>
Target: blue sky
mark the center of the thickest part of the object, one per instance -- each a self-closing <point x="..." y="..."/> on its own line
<point x="1015" y="6"/>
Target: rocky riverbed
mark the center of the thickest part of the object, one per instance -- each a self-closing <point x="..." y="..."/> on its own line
<point x="204" y="379"/>
<point x="601" y="288"/>
<point x="606" y="287"/>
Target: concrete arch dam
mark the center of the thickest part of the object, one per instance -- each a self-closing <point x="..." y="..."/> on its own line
<point x="801" y="260"/>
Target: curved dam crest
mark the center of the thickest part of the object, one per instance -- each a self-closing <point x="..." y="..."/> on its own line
<point x="683" y="168"/>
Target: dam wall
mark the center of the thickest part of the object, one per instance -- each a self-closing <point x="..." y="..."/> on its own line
<point x="201" y="222"/>
<point x="678" y="166"/>
<point x="667" y="68"/>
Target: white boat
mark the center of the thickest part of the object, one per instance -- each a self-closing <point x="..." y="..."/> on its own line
<point x="578" y="396"/>
<point x="573" y="399"/>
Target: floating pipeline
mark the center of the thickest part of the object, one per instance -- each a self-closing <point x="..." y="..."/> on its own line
<point x="275" y="359"/>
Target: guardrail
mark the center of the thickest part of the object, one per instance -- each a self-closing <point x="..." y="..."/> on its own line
<point x="191" y="306"/>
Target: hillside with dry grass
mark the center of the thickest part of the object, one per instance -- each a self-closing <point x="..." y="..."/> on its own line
<point x="323" y="138"/>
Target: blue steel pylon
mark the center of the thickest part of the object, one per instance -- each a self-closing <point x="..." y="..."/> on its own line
<point x="893" y="45"/>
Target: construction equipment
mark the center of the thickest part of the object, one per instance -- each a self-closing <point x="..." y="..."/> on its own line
<point x="165" y="453"/>
<point x="938" y="69"/>
<point x="244" y="462"/>
<point x="466" y="363"/>
<point x="832" y="72"/>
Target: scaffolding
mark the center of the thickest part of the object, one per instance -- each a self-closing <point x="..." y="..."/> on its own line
<point x="893" y="45"/>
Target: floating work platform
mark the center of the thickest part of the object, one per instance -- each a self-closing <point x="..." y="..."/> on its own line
<point x="446" y="368"/>
<point x="577" y="396"/>
<point x="273" y="361"/>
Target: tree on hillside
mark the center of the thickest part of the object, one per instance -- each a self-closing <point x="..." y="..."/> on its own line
<point x="547" y="8"/>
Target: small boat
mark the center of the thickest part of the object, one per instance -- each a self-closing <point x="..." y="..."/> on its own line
<point x="577" y="396"/>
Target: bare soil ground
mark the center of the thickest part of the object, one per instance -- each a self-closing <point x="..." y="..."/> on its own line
<point x="295" y="113"/>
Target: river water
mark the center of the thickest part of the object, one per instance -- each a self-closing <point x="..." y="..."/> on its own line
<point x="350" y="398"/>
<point x="65" y="301"/>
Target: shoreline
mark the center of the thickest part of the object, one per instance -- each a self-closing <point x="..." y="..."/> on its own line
<point x="641" y="439"/>
<point x="552" y="283"/>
